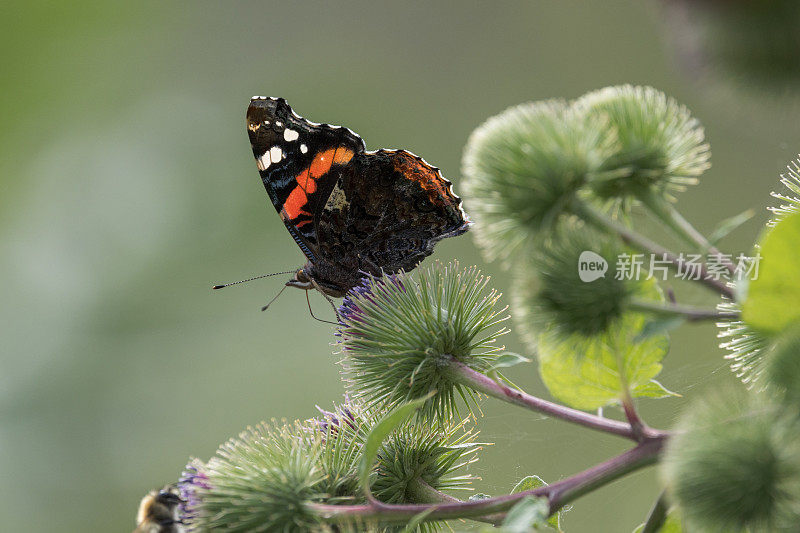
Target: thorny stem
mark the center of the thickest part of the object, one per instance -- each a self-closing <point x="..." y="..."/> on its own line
<point x="558" y="494"/>
<point x="490" y="387"/>
<point x="644" y="244"/>
<point x="691" y="314"/>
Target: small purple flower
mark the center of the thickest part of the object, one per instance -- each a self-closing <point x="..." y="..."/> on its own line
<point x="350" y="311"/>
<point x="332" y="421"/>
<point x="192" y="483"/>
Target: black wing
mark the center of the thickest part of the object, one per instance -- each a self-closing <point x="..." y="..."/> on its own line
<point x="299" y="162"/>
<point x="386" y="213"/>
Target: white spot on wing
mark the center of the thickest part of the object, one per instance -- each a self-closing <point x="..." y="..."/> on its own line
<point x="263" y="161"/>
<point x="303" y="148"/>
<point x="275" y="153"/>
<point x="290" y="135"/>
<point x="278" y="123"/>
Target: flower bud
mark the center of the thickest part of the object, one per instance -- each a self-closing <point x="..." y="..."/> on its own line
<point x="524" y="167"/>
<point x="260" y="480"/>
<point x="734" y="465"/>
<point x="746" y="347"/>
<point x="661" y="147"/>
<point x="267" y="477"/>
<point x="572" y="287"/>
<point x="400" y="336"/>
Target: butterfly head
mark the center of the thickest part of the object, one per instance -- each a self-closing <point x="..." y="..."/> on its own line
<point x="300" y="280"/>
<point x="307" y="278"/>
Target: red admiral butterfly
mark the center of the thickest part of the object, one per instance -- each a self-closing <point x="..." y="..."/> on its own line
<point x="351" y="211"/>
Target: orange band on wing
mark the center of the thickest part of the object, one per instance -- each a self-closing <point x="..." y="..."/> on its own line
<point x="322" y="163"/>
<point x="307" y="179"/>
<point x="295" y="203"/>
<point x="343" y="155"/>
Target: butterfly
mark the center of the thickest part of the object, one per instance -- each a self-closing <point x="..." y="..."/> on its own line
<point x="352" y="212"/>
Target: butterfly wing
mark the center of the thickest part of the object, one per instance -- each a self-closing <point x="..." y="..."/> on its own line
<point x="386" y="212"/>
<point x="299" y="162"/>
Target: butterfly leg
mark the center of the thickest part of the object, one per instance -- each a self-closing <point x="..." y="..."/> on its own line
<point x="330" y="301"/>
<point x="308" y="301"/>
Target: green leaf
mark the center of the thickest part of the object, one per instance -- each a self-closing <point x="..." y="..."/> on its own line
<point x="535" y="482"/>
<point x="671" y="525"/>
<point x="378" y="434"/>
<point x="588" y="373"/>
<point x="654" y="389"/>
<point x="772" y="298"/>
<point x="658" y="326"/>
<point x="478" y="497"/>
<point x="728" y="225"/>
<point x="530" y="514"/>
<point x="528" y="483"/>
<point x="507" y="359"/>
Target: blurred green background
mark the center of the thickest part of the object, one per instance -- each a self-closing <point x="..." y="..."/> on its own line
<point x="128" y="189"/>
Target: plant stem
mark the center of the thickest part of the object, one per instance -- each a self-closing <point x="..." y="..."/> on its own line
<point x="638" y="427"/>
<point x="657" y="516"/>
<point x="572" y="488"/>
<point x="666" y="213"/>
<point x="644" y="244"/>
<point x="558" y="494"/>
<point x="421" y="492"/>
<point x="482" y="383"/>
<point x="691" y="314"/>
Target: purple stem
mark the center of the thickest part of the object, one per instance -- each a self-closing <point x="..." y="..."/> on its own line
<point x="558" y="494"/>
<point x="482" y="383"/>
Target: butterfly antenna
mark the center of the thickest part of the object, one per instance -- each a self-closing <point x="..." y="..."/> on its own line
<point x="308" y="301"/>
<point x="274" y="298"/>
<point x="222" y="286"/>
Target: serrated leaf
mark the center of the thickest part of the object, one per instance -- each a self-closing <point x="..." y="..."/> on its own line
<point x="378" y="434"/>
<point x="672" y="524"/>
<point x="586" y="372"/>
<point x="529" y="514"/>
<point x="535" y="482"/>
<point x="772" y="297"/>
<point x="508" y="359"/>
<point x="659" y="326"/>
<point x="728" y="225"/>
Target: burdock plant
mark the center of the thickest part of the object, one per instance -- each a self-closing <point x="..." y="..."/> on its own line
<point x="556" y="188"/>
<point x="403" y="338"/>
<point x="734" y="465"/>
